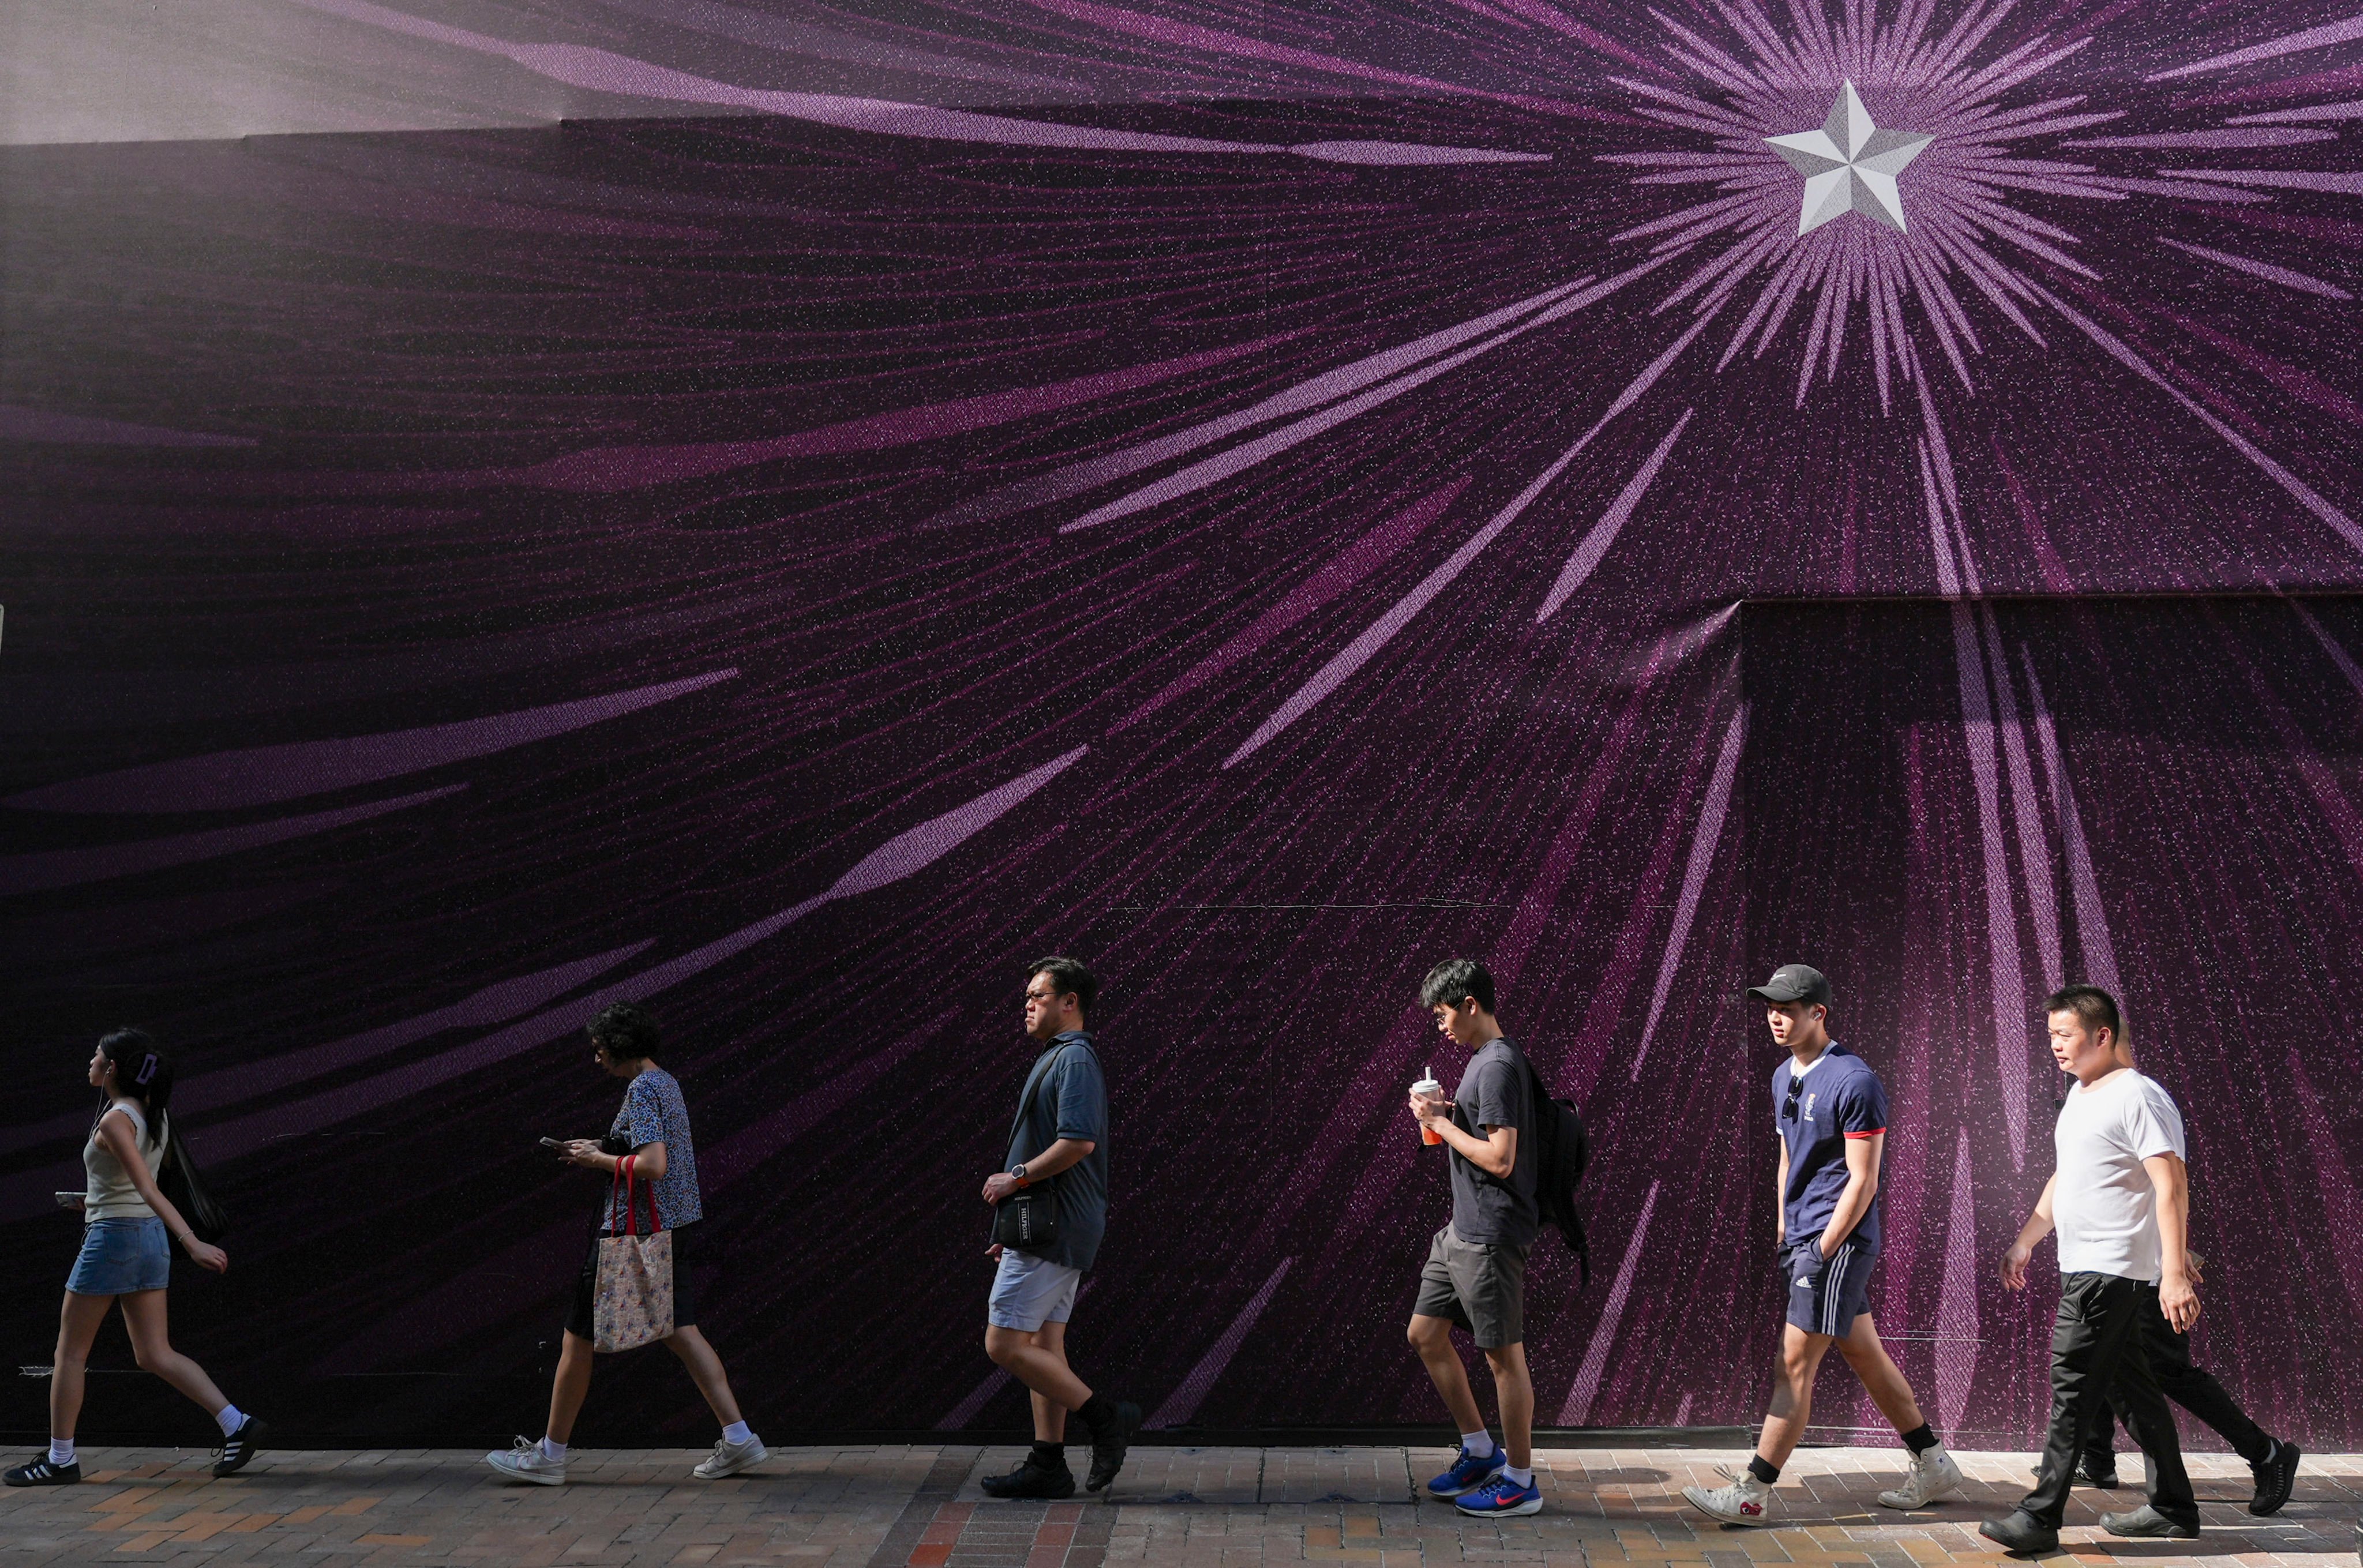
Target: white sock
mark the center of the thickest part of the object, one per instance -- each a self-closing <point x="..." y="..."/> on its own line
<point x="554" y="1452"/>
<point x="1518" y="1478"/>
<point x="736" y="1433"/>
<point x="1479" y="1443"/>
<point x="62" y="1451"/>
<point x="229" y="1417"/>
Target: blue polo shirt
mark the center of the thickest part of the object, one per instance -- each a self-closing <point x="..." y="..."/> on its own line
<point x="1839" y="1097"/>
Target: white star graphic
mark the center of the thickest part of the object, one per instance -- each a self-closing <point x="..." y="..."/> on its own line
<point x="1849" y="165"/>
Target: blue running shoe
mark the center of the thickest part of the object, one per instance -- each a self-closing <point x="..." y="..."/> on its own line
<point x="1467" y="1473"/>
<point x="1502" y="1498"/>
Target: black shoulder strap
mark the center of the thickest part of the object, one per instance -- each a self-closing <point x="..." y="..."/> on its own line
<point x="1042" y="1065"/>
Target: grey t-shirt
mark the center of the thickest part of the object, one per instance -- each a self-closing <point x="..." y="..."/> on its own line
<point x="653" y="1112"/>
<point x="1486" y="1210"/>
<point x="1069" y="1100"/>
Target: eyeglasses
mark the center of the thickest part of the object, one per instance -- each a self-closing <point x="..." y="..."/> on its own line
<point x="1789" y="1111"/>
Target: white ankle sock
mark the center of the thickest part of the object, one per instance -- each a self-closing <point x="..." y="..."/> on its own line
<point x="229" y="1417"/>
<point x="1479" y="1443"/>
<point x="62" y="1451"/>
<point x="1519" y="1477"/>
<point x="554" y="1452"/>
<point x="736" y="1433"/>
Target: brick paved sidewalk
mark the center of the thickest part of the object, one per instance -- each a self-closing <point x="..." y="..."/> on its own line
<point x="919" y="1507"/>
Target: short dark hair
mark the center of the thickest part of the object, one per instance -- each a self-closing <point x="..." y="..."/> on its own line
<point x="625" y="1032"/>
<point x="1455" y="978"/>
<point x="1071" y="979"/>
<point x="2093" y="1007"/>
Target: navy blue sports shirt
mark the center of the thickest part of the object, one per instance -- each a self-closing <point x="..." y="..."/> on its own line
<point x="1839" y="1097"/>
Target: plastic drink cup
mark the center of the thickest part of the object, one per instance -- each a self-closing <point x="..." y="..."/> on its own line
<point x="1429" y="1088"/>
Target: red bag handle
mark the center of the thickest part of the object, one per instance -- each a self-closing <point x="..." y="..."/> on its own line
<point x="624" y="1168"/>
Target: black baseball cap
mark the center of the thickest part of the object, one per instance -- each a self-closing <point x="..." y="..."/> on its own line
<point x="1794" y="983"/>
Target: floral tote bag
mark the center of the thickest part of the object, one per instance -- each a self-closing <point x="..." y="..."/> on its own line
<point x="632" y="1303"/>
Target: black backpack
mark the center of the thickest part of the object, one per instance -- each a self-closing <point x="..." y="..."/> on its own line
<point x="1562" y="1150"/>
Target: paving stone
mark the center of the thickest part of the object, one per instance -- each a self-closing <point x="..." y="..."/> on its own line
<point x="1174" y="1507"/>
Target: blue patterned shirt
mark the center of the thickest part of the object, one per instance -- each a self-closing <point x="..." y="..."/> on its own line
<point x="652" y="1112"/>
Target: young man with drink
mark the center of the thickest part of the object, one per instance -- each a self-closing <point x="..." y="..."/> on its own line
<point x="1830" y="1111"/>
<point x="1062" y="1134"/>
<point x="1476" y="1270"/>
<point x="2120" y="1197"/>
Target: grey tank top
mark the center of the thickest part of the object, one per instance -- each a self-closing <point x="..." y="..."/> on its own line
<point x="109" y="1194"/>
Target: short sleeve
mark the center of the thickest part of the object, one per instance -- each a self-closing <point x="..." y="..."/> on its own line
<point x="1497" y="1101"/>
<point x="2153" y="1122"/>
<point x="1863" y="1108"/>
<point x="1082" y="1098"/>
<point x="643" y="1116"/>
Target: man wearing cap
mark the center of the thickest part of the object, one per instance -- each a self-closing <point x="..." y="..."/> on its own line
<point x="1830" y="1111"/>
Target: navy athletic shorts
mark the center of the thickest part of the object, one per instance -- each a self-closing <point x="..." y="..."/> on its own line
<point x="1827" y="1294"/>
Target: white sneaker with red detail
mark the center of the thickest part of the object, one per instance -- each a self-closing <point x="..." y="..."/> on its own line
<point x="1932" y="1476"/>
<point x="1747" y="1501"/>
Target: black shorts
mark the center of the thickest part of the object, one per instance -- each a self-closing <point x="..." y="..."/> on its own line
<point x="685" y="1251"/>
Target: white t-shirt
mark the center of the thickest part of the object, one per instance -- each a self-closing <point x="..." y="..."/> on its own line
<point x="2103" y="1205"/>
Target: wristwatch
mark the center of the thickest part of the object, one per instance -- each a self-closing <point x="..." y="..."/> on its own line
<point x="1018" y="1170"/>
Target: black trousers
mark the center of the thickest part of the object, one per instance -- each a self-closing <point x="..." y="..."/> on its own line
<point x="2097" y="1350"/>
<point x="2192" y="1387"/>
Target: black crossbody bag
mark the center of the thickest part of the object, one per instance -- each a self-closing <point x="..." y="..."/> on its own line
<point x="1027" y="1220"/>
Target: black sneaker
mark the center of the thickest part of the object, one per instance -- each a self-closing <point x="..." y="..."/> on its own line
<point x="2021" y="1535"/>
<point x="2275" y="1478"/>
<point x="41" y="1472"/>
<point x="1031" y="1479"/>
<point x="2148" y="1523"/>
<point x="1109" y="1442"/>
<point x="2101" y="1473"/>
<point x="239" y="1446"/>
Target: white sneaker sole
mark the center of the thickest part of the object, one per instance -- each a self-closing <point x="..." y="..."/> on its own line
<point x="1533" y="1506"/>
<point x="1696" y="1497"/>
<point x="738" y="1464"/>
<point x="538" y="1477"/>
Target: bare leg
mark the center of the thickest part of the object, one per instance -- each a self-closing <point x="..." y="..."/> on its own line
<point x="1793" y="1393"/>
<point x="151" y="1346"/>
<point x="1040" y="1369"/>
<point x="1049" y="1420"/>
<point x="1432" y="1339"/>
<point x="704" y="1370"/>
<point x="1515" y="1390"/>
<point x="1881" y="1375"/>
<point x="570" y="1386"/>
<point x="78" y="1323"/>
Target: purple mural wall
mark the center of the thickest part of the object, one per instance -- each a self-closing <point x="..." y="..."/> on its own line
<point x="1633" y="493"/>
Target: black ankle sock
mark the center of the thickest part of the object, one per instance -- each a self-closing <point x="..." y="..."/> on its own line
<point x="1920" y="1439"/>
<point x="1049" y="1453"/>
<point x="1096" y="1411"/>
<point x="1768" y="1474"/>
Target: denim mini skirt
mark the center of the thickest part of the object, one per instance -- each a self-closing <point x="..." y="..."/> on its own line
<point x="119" y="1256"/>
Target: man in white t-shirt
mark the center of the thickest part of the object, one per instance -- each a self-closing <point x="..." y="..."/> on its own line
<point x="2121" y="1201"/>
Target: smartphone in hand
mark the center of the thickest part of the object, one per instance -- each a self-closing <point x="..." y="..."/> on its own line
<point x="554" y="1144"/>
<point x="69" y="1200"/>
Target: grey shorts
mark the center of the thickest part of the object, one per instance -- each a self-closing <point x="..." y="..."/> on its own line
<point x="1482" y="1288"/>
<point x="1028" y="1292"/>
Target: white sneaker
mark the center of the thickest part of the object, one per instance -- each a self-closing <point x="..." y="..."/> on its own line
<point x="525" y="1461"/>
<point x="1932" y="1476"/>
<point x="730" y="1458"/>
<point x="1747" y="1501"/>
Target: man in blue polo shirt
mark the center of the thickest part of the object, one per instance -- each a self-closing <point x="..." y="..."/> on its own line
<point x="1830" y="1110"/>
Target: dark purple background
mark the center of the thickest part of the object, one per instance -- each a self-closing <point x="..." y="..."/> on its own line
<point x="455" y="578"/>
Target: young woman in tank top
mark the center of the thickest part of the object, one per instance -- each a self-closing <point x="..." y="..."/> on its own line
<point x="126" y="1257"/>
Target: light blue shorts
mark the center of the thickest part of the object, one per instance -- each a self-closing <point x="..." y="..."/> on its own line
<point x="119" y="1256"/>
<point x="1028" y="1292"/>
